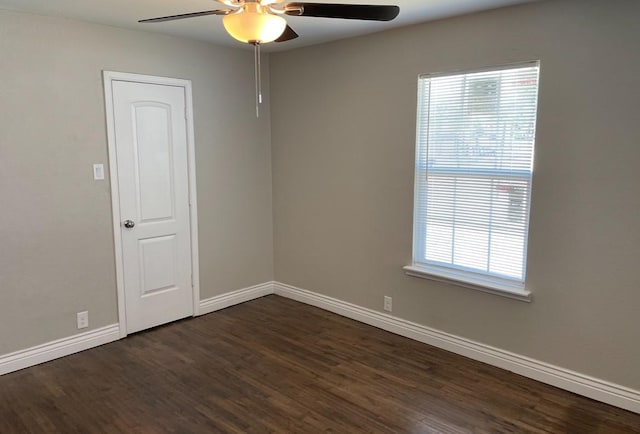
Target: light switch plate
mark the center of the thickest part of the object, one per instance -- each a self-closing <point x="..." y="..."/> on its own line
<point x="98" y="172"/>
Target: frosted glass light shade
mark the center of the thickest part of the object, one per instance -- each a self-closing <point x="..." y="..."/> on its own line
<point x="254" y="24"/>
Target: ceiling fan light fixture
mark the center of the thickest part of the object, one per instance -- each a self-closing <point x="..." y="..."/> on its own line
<point x="254" y="25"/>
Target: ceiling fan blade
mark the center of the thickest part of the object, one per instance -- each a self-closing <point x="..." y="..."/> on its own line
<point x="287" y="35"/>
<point x="345" y="11"/>
<point x="182" y="16"/>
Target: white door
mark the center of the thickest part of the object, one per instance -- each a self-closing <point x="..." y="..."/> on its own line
<point x="153" y="185"/>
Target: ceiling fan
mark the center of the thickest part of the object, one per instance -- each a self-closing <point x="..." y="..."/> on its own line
<point x="261" y="21"/>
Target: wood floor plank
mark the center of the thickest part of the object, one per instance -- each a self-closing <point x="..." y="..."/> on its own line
<point x="275" y="365"/>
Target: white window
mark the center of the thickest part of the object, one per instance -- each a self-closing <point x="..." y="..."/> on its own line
<point x="474" y="163"/>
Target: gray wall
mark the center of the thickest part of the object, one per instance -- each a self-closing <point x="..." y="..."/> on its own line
<point x="343" y="136"/>
<point x="56" y="237"/>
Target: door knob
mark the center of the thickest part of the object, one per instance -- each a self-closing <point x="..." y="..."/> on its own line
<point x="128" y="224"/>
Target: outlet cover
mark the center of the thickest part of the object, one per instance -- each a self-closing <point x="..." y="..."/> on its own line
<point x="388" y="304"/>
<point x="83" y="319"/>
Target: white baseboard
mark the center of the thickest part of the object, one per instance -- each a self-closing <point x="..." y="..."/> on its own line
<point x="585" y="385"/>
<point x="63" y="347"/>
<point x="58" y="348"/>
<point x="235" y="297"/>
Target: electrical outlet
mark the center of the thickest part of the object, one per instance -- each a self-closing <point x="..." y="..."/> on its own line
<point x="388" y="306"/>
<point x="83" y="319"/>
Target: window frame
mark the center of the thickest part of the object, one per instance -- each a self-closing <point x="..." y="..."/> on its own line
<point x="451" y="273"/>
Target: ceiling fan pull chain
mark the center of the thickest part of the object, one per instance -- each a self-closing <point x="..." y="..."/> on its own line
<point x="259" y="75"/>
<point x="256" y="53"/>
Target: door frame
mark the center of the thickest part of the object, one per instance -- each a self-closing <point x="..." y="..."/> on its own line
<point x="108" y="78"/>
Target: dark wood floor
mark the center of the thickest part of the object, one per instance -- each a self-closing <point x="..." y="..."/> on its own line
<point x="275" y="365"/>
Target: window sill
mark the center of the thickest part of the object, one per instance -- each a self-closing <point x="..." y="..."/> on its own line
<point x="496" y="289"/>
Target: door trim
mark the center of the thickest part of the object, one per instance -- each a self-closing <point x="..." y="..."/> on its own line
<point x="108" y="78"/>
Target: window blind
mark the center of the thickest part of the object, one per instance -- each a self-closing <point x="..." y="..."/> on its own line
<point x="474" y="158"/>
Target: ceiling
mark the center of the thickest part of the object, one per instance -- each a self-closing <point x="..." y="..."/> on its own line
<point x="126" y="13"/>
